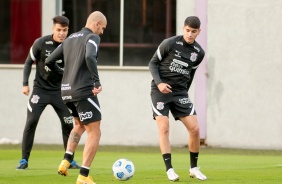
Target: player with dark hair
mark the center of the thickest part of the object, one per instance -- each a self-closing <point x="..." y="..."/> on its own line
<point x="80" y="87"/>
<point x="173" y="67"/>
<point x="46" y="88"/>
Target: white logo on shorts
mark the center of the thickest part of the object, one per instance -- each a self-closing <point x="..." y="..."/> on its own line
<point x="184" y="100"/>
<point x="160" y="105"/>
<point x="35" y="99"/>
<point x="84" y="116"/>
<point x="68" y="120"/>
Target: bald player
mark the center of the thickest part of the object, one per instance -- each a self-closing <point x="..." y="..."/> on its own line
<point x="80" y="87"/>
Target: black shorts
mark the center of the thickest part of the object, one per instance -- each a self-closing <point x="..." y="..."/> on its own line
<point x="88" y="110"/>
<point x="178" y="103"/>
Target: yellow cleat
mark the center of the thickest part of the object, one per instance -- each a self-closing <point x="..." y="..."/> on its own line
<point x="84" y="180"/>
<point x="63" y="168"/>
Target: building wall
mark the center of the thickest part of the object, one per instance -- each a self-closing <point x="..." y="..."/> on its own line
<point x="244" y="74"/>
<point x="244" y="87"/>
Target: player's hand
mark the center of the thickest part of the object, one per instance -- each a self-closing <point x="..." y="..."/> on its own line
<point x="164" y="88"/>
<point x="96" y="91"/>
<point x="25" y="90"/>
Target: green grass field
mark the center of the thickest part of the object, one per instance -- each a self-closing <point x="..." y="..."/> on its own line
<point x="226" y="166"/>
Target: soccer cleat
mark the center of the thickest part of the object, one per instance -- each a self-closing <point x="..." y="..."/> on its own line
<point x="74" y="165"/>
<point x="63" y="168"/>
<point x="84" y="180"/>
<point x="22" y="165"/>
<point x="172" y="176"/>
<point x="195" y="172"/>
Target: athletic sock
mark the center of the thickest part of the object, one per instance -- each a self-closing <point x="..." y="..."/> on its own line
<point x="167" y="160"/>
<point x="193" y="159"/>
<point x="68" y="156"/>
<point x="84" y="171"/>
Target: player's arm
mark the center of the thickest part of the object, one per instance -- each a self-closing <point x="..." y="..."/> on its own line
<point x="91" y="52"/>
<point x="161" y="52"/>
<point x="50" y="61"/>
<point x="34" y="53"/>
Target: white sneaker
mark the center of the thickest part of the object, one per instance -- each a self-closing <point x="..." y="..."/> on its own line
<point x="195" y="172"/>
<point x="172" y="176"/>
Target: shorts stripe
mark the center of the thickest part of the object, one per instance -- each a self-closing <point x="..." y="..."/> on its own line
<point x="94" y="104"/>
<point x="155" y="110"/>
<point x="192" y="111"/>
<point x="29" y="107"/>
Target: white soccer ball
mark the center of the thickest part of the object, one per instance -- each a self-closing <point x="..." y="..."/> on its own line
<point x="123" y="169"/>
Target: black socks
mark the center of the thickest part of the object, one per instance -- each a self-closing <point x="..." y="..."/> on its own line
<point x="167" y="160"/>
<point x="193" y="159"/>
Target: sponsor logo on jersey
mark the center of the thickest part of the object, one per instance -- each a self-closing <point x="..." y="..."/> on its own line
<point x="66" y="97"/>
<point x="65" y="87"/>
<point x="47" y="69"/>
<point x="184" y="100"/>
<point x="84" y="116"/>
<point x="193" y="56"/>
<point x="160" y="105"/>
<point x="68" y="120"/>
<point x="177" y="53"/>
<point x="197" y="48"/>
<point x="49" y="43"/>
<point x="35" y="99"/>
<point x="179" y="43"/>
<point x="48" y="53"/>
<point x="177" y="66"/>
<point x="75" y="35"/>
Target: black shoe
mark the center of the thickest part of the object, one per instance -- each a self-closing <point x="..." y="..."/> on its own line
<point x="74" y="165"/>
<point x="22" y="165"/>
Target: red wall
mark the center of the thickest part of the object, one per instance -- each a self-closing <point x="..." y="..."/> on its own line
<point x="25" y="27"/>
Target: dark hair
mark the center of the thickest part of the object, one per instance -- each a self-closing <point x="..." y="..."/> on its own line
<point x="64" y="21"/>
<point x="193" y="22"/>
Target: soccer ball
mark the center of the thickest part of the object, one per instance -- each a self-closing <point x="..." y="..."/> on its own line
<point x="123" y="169"/>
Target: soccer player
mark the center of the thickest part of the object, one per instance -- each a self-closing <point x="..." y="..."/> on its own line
<point x="46" y="88"/>
<point x="173" y="67"/>
<point x="80" y="87"/>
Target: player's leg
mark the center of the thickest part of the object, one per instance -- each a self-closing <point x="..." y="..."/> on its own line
<point x="191" y="124"/>
<point x="90" y="116"/>
<point x="35" y="107"/>
<point x="160" y="112"/>
<point x="66" y="120"/>
<point x="73" y="141"/>
<point x="163" y="129"/>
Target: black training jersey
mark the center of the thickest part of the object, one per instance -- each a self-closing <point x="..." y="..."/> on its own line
<point x="80" y="52"/>
<point x="175" y="63"/>
<point x="44" y="77"/>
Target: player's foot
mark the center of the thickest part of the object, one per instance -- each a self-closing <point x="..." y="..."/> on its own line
<point x="22" y="165"/>
<point x="172" y="176"/>
<point x="195" y="172"/>
<point x="74" y="165"/>
<point x="63" y="168"/>
<point x="84" y="180"/>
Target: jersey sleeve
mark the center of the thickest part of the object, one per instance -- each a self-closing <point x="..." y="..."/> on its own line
<point x="91" y="55"/>
<point x="160" y="53"/>
<point x="50" y="61"/>
<point x="33" y="55"/>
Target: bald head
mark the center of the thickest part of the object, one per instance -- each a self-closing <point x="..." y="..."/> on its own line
<point x="97" y="22"/>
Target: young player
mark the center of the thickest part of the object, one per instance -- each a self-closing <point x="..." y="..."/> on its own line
<point x="173" y="67"/>
<point x="46" y="89"/>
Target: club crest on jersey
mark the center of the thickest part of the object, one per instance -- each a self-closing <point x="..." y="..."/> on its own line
<point x="193" y="56"/>
<point x="35" y="99"/>
<point x="160" y="105"/>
